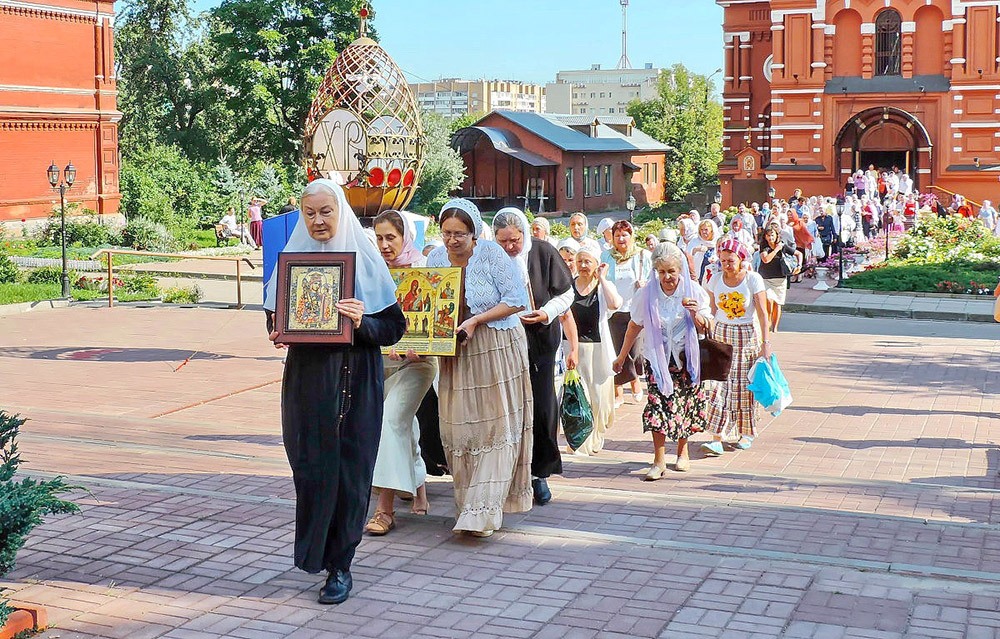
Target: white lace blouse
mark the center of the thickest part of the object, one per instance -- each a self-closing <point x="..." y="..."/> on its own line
<point x="490" y="278"/>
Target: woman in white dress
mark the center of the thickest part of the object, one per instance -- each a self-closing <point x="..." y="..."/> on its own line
<point x="399" y="468"/>
<point x="594" y="299"/>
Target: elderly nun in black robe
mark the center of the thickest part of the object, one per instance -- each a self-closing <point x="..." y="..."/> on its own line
<point x="331" y="395"/>
<point x="551" y="287"/>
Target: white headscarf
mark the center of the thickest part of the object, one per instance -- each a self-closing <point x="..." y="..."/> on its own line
<point x="372" y="283"/>
<point x="522" y="222"/>
<point x="586" y="223"/>
<point x="570" y="245"/>
<point x="592" y="250"/>
<point x="471" y="210"/>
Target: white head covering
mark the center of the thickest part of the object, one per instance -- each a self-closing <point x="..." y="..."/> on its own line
<point x="591" y="249"/>
<point x="605" y="225"/>
<point x="372" y="283"/>
<point x="522" y="222"/>
<point x="471" y="209"/>
<point x="669" y="235"/>
<point x="569" y="244"/>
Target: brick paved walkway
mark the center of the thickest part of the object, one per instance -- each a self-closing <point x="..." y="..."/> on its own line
<point x="868" y="510"/>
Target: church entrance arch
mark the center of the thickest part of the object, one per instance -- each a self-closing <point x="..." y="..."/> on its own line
<point x="884" y="137"/>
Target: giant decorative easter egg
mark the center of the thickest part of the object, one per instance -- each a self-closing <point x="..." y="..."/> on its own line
<point x="365" y="126"/>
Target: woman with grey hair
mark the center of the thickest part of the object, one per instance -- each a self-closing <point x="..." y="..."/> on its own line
<point x="332" y="394"/>
<point x="672" y="308"/>
<point x="550" y="288"/>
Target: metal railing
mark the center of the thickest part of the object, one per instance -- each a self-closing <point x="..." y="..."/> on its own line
<point x="952" y="193"/>
<point x="218" y="258"/>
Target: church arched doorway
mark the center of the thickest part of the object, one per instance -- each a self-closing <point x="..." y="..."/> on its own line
<point x="886" y="138"/>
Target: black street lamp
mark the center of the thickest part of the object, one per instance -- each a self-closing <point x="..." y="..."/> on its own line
<point x="718" y="197"/>
<point x="771" y="193"/>
<point x="68" y="177"/>
<point x="630" y="205"/>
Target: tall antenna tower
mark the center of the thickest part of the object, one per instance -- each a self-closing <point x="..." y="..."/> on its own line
<point x="624" y="62"/>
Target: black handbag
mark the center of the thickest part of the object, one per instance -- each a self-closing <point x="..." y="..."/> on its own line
<point x="716" y="359"/>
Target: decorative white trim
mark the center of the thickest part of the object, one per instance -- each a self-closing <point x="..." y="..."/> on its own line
<point x="958" y="111"/>
<point x="735" y="99"/>
<point x="867" y="28"/>
<point x="38" y="6"/>
<point x="816" y="150"/>
<point x="908" y="27"/>
<point x="925" y="171"/>
<point x="31" y="89"/>
<point x="818" y="65"/>
<point x="830" y="29"/>
<point x="792" y="91"/>
<point x="957" y="96"/>
<point x="805" y="127"/>
<point x="957" y="60"/>
<point x="957" y="149"/>
<point x="975" y="125"/>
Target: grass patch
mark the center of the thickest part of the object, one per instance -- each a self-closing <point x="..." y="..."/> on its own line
<point x="18" y="293"/>
<point x="925" y="277"/>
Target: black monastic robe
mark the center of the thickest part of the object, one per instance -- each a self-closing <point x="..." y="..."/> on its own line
<point x="549" y="277"/>
<point x="331" y="421"/>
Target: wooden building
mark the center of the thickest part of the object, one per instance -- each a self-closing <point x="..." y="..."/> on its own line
<point x="559" y="163"/>
<point x="816" y="89"/>
<point x="57" y="103"/>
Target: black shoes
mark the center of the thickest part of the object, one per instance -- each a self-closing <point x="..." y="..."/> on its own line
<point x="338" y="587"/>
<point x="541" y="489"/>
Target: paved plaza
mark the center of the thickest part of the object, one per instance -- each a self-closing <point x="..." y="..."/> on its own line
<point x="868" y="510"/>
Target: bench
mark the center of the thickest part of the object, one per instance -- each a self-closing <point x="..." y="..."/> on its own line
<point x="222" y="235"/>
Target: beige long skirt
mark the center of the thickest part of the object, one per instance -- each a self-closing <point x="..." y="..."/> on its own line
<point x="399" y="465"/>
<point x="486" y="420"/>
<point x="600" y="394"/>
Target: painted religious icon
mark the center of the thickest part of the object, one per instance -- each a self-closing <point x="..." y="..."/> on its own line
<point x="309" y="287"/>
<point x="431" y="301"/>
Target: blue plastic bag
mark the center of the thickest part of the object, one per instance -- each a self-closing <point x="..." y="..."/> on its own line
<point x="769" y="386"/>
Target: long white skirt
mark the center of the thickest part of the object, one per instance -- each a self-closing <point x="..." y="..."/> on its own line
<point x="399" y="465"/>
<point x="600" y="394"/>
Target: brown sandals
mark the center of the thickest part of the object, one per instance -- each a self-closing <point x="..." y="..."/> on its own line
<point x="380" y="524"/>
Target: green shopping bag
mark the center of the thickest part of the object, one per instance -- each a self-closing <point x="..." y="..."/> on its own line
<point x="577" y="417"/>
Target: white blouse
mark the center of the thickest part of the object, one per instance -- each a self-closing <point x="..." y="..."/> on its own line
<point x="491" y="277"/>
<point x="673" y="323"/>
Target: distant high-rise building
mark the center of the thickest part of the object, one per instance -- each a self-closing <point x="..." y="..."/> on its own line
<point x="453" y="97"/>
<point x="600" y="91"/>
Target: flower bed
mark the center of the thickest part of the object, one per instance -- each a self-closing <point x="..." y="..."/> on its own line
<point x="938" y="255"/>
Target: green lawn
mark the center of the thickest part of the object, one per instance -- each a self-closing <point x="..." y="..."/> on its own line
<point x="17" y="293"/>
<point x="916" y="277"/>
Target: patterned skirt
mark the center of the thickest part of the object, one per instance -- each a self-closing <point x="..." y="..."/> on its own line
<point x="679" y="415"/>
<point x="731" y="405"/>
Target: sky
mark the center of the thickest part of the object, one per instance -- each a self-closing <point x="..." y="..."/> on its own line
<point x="530" y="40"/>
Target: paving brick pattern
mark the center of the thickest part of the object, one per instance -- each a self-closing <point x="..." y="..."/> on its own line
<point x="868" y="510"/>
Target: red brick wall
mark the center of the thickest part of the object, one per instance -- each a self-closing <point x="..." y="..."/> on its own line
<point x="814" y="45"/>
<point x="58" y="103"/>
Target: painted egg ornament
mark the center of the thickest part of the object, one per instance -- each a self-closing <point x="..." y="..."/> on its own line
<point x="365" y="125"/>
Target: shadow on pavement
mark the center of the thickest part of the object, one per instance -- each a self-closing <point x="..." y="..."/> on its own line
<point x="857" y="411"/>
<point x="918" y="442"/>
<point x="125" y="355"/>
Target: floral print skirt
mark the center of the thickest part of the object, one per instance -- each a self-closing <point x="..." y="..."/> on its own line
<point x="680" y="415"/>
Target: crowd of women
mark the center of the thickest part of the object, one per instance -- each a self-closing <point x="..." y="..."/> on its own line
<point x="354" y="420"/>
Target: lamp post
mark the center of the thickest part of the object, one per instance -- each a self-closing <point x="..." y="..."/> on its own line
<point x="718" y="198"/>
<point x="68" y="177"/>
<point x="630" y="205"/>
<point x="771" y="193"/>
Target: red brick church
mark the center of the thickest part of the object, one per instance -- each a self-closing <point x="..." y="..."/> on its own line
<point x="815" y="89"/>
<point x="57" y="103"/>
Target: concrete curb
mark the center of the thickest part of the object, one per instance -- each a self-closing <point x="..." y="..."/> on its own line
<point x="24" y="307"/>
<point x="947" y="316"/>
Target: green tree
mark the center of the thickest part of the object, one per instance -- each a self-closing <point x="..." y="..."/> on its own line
<point x="686" y="117"/>
<point x="160" y="183"/>
<point x="443" y="167"/>
<point x="169" y="90"/>
<point x="463" y="121"/>
<point x="273" y="56"/>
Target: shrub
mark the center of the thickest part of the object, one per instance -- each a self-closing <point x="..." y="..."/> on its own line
<point x="9" y="273"/>
<point x="49" y="275"/>
<point x="161" y="184"/>
<point x="182" y="295"/>
<point x="87" y="233"/>
<point x="559" y="230"/>
<point x="143" y="234"/>
<point x="22" y="503"/>
<point x="138" y="283"/>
